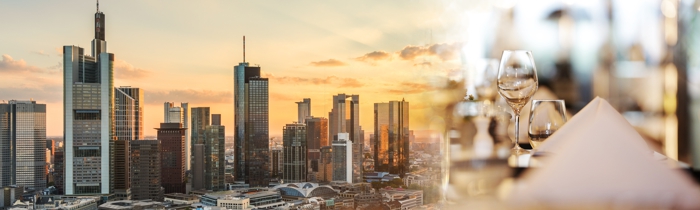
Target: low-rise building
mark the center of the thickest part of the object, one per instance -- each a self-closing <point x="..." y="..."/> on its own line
<point x="67" y="202"/>
<point x="179" y="198"/>
<point x="135" y="205"/>
<point x="408" y="199"/>
<point x="258" y="198"/>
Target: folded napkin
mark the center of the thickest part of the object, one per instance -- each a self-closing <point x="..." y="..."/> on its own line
<point x="598" y="159"/>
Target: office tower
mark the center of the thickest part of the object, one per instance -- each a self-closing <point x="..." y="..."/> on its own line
<point x="317" y="137"/>
<point x="58" y="171"/>
<point x="304" y="110"/>
<point x="345" y="118"/>
<point x="342" y="158"/>
<point x="180" y="115"/>
<point x="198" y="167"/>
<point x="22" y="144"/>
<point x="276" y="161"/>
<point x="122" y="169"/>
<point x="294" y="143"/>
<point x="128" y="113"/>
<point x="216" y="119"/>
<point x="391" y="137"/>
<point x="325" y="171"/>
<point x="214" y="157"/>
<point x="88" y="102"/>
<point x="145" y="173"/>
<point x="251" y="104"/>
<point x="172" y="143"/>
<point x="200" y="121"/>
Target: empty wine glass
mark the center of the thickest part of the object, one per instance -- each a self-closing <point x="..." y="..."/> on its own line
<point x="546" y="117"/>
<point x="517" y="82"/>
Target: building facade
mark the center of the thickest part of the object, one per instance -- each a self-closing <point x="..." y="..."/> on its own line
<point x="294" y="143"/>
<point x="128" y="113"/>
<point x="317" y="137"/>
<point x="198" y="167"/>
<point x="345" y="118"/>
<point x="303" y="110"/>
<point x="23" y="144"/>
<point x="122" y="169"/>
<point x="276" y="161"/>
<point x="391" y="128"/>
<point x="342" y="158"/>
<point x="325" y="171"/>
<point x="251" y="108"/>
<point x="145" y="173"/>
<point x="201" y="118"/>
<point x="173" y="114"/>
<point x="88" y="101"/>
<point x="172" y="140"/>
<point x="214" y="158"/>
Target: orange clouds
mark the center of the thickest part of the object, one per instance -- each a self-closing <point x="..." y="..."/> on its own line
<point x="10" y="65"/>
<point x="330" y="80"/>
<point x="124" y="70"/>
<point x="327" y="63"/>
<point x="443" y="51"/>
<point x="374" y="56"/>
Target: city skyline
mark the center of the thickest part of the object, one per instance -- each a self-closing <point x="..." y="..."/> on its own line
<point x="310" y="66"/>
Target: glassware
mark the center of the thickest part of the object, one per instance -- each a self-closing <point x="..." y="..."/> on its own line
<point x="546" y="117"/>
<point x="486" y="80"/>
<point x="517" y="82"/>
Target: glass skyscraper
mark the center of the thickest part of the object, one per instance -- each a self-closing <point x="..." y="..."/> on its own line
<point x="174" y="114"/>
<point x="88" y="102"/>
<point x="345" y="118"/>
<point x="22" y="144"/>
<point x="317" y="137"/>
<point x="294" y="144"/>
<point x="251" y="137"/>
<point x="391" y="134"/>
<point x="304" y="110"/>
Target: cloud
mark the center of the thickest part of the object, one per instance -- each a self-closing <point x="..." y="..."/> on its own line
<point x="124" y="70"/>
<point x="328" y="63"/>
<point x="189" y="95"/>
<point x="10" y="65"/>
<point x="425" y="63"/>
<point x="330" y="80"/>
<point x="40" y="52"/>
<point x="42" y="93"/>
<point x="444" y="51"/>
<point x="57" y="66"/>
<point x="410" y="88"/>
<point x="59" y="51"/>
<point x="374" y="56"/>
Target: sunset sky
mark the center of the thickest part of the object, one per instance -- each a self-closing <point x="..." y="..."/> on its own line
<point x="184" y="51"/>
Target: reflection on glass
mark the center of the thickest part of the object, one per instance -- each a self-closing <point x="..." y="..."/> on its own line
<point x="517" y="82"/>
<point x="546" y="117"/>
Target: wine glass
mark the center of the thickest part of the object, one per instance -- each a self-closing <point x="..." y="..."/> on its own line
<point x="517" y="82"/>
<point x="546" y="117"/>
<point x="486" y="76"/>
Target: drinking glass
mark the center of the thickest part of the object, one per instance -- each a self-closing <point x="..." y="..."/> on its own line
<point x="486" y="76"/>
<point x="546" y="117"/>
<point x="517" y="82"/>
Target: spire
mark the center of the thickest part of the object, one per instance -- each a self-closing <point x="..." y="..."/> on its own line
<point x="243" y="49"/>
<point x="98" y="6"/>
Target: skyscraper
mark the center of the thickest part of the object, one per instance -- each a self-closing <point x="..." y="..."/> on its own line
<point x="214" y="157"/>
<point x="145" y="173"/>
<point x="304" y="110"/>
<point x="294" y="143"/>
<point x="172" y="140"/>
<point x="251" y="105"/>
<point x="23" y="144"/>
<point x="122" y="169"/>
<point x="88" y="102"/>
<point x="325" y="171"/>
<point x="199" y="122"/>
<point x="317" y="137"/>
<point x="345" y="118"/>
<point x="198" y="167"/>
<point x="342" y="158"/>
<point x="391" y="134"/>
<point x="180" y="115"/>
<point x="276" y="161"/>
<point x="128" y="113"/>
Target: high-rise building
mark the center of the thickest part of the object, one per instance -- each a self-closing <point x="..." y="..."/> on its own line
<point x="172" y="143"/>
<point x="304" y="110"/>
<point x="122" y="169"/>
<point x="198" y="167"/>
<point x="88" y="102"/>
<point x="145" y="173"/>
<point x="58" y="171"/>
<point x="345" y="118"/>
<point x="128" y="113"/>
<point x="251" y="105"/>
<point x="180" y="115"/>
<point x="325" y="171"/>
<point x="391" y="133"/>
<point x="22" y="144"/>
<point x="342" y="158"/>
<point x="294" y="143"/>
<point x="317" y="137"/>
<point x="214" y="157"/>
<point x="276" y="160"/>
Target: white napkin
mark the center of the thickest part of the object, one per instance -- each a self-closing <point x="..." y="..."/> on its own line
<point x="600" y="160"/>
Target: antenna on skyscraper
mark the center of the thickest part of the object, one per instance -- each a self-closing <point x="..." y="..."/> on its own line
<point x="98" y="6"/>
<point x="243" y="49"/>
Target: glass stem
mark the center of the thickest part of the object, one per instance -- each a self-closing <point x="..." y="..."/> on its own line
<point x="517" y="131"/>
